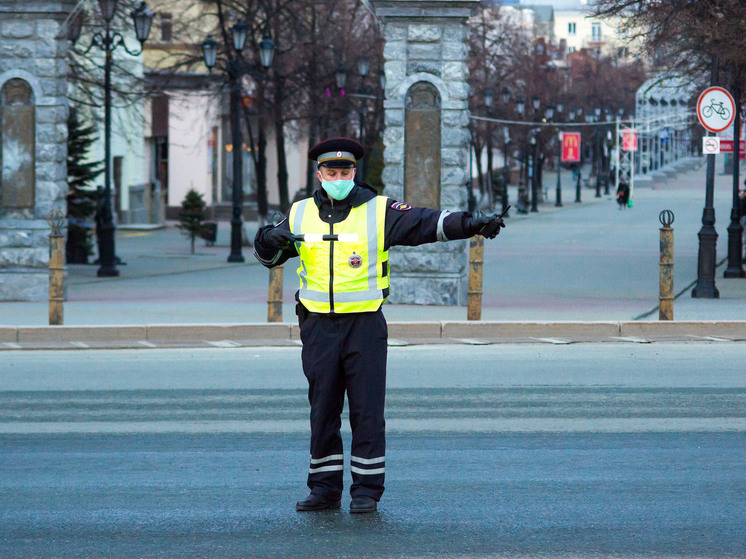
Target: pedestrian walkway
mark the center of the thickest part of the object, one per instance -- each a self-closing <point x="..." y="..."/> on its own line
<point x="582" y="262"/>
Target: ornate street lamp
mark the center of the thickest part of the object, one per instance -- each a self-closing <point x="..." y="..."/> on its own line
<point x="143" y="19"/>
<point x="108" y="41"/>
<point x="266" y="52"/>
<point x="489" y="95"/>
<point x="239" y="32"/>
<point x="107" y="8"/>
<point x="210" y="51"/>
<point x="235" y="68"/>
<point x="340" y="76"/>
<point x="506" y="95"/>
<point x="363" y="65"/>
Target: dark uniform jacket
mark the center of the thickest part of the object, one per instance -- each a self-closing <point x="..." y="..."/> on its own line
<point x="405" y="225"/>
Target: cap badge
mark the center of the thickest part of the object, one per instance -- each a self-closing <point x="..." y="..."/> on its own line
<point x="339" y="154"/>
<point x="355" y="260"/>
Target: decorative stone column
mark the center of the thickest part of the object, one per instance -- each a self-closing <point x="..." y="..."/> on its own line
<point x="33" y="140"/>
<point x="426" y="136"/>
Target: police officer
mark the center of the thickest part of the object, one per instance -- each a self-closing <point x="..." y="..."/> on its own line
<point x="342" y="288"/>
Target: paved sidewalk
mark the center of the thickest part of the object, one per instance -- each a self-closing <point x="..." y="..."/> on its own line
<point x="581" y="263"/>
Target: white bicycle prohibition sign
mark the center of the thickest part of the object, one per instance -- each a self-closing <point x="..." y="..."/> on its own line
<point x="716" y="109"/>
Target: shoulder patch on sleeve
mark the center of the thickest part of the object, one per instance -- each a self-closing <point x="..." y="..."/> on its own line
<point x="401" y="206"/>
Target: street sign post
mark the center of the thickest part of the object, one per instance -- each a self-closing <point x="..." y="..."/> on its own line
<point x="716" y="109"/>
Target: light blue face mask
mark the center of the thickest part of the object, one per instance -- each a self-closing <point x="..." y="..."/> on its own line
<point x="338" y="189"/>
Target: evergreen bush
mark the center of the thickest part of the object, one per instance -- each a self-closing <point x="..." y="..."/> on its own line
<point x="192" y="215"/>
<point x="82" y="196"/>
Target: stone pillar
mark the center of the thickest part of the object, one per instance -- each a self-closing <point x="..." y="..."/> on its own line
<point x="33" y="140"/>
<point x="426" y="136"/>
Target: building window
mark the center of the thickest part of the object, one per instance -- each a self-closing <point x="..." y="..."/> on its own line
<point x="570" y="50"/>
<point x="571" y="28"/>
<point x="596" y="32"/>
<point x="166" y="27"/>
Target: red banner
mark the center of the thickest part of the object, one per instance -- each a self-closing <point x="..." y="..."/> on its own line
<point x="571" y="146"/>
<point x="726" y="146"/>
<point x="629" y="140"/>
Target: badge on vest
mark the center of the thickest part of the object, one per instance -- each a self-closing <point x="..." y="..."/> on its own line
<point x="355" y="260"/>
<point x="401" y="206"/>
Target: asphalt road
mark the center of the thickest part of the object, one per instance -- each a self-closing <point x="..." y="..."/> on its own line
<point x="583" y="450"/>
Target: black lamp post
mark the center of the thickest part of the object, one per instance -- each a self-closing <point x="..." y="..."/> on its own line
<point x="597" y="154"/>
<point x="522" y="203"/>
<point x="536" y="102"/>
<point x="363" y="68"/>
<point x="735" y="229"/>
<point x="607" y="167"/>
<point x="532" y="171"/>
<point x="506" y="170"/>
<point x="558" y="190"/>
<point x="489" y="97"/>
<point x="506" y="141"/>
<point x="235" y="68"/>
<point x="108" y="41"/>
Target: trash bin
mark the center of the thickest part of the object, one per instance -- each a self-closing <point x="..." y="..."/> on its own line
<point x="209" y="232"/>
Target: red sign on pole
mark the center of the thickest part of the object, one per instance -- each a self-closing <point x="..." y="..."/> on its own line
<point x="571" y="147"/>
<point x="629" y="140"/>
<point x="726" y="146"/>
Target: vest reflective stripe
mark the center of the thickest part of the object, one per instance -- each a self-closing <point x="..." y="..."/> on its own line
<point x="295" y="226"/>
<point x="328" y="280"/>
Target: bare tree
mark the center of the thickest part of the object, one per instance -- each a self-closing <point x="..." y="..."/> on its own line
<point x="495" y="55"/>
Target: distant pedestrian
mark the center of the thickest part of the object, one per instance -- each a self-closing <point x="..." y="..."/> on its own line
<point x="622" y="193"/>
<point x="343" y="285"/>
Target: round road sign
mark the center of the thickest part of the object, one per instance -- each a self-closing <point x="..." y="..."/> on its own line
<point x="716" y="109"/>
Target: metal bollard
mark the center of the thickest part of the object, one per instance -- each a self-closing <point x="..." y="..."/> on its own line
<point x="56" y="221"/>
<point x="665" y="308"/>
<point x="476" y="269"/>
<point x="274" y="298"/>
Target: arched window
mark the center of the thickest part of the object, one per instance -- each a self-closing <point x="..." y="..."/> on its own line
<point x="422" y="146"/>
<point x="17" y="145"/>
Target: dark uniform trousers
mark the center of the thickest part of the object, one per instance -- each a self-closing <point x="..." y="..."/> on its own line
<point x="345" y="353"/>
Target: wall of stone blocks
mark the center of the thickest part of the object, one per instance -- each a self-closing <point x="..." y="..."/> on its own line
<point x="33" y="48"/>
<point x="434" y="50"/>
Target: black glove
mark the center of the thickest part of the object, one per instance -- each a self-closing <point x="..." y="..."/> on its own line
<point x="488" y="226"/>
<point x="277" y="238"/>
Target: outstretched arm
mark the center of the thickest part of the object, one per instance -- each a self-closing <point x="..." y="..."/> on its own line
<point x="410" y="226"/>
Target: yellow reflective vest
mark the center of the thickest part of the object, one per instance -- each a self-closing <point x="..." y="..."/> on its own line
<point x="342" y="277"/>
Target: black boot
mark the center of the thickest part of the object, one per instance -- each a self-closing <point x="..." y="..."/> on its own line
<point x="316" y="502"/>
<point x="363" y="504"/>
